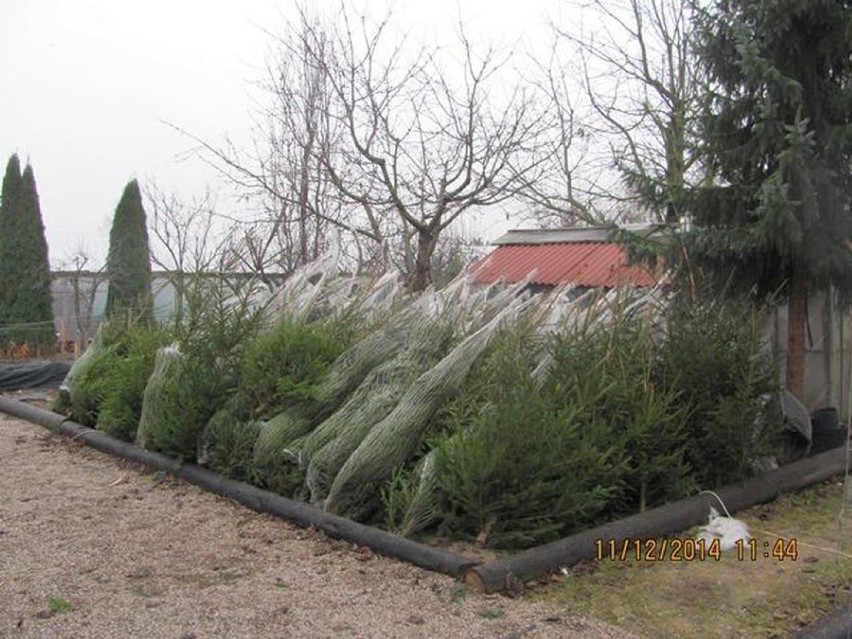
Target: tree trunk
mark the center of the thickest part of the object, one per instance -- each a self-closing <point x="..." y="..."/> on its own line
<point x="422" y="276"/>
<point x="304" y="195"/>
<point x="180" y="291"/>
<point x="796" y="319"/>
<point x="675" y="163"/>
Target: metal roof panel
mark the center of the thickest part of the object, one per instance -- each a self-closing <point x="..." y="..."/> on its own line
<point x="584" y="263"/>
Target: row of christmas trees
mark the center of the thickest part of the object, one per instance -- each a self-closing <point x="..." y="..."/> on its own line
<point x="26" y="313"/>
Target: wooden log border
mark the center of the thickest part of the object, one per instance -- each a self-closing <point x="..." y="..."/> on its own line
<point x="507" y="574"/>
<point x="835" y="625"/>
<point x="676" y="517"/>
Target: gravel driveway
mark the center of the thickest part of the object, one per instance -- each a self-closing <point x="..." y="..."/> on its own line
<point x="91" y="546"/>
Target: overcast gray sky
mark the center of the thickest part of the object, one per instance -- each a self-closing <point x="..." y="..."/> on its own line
<point x="86" y="84"/>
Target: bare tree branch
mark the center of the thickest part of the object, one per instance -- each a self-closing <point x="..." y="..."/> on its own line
<point x="640" y="78"/>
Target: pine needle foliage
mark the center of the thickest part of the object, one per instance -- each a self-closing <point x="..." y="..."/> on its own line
<point x="331" y="444"/>
<point x="284" y="366"/>
<point x="10" y="207"/>
<point x="229" y="438"/>
<point x="129" y="259"/>
<point x="522" y="472"/>
<point x="393" y="441"/>
<point x="274" y="457"/>
<point x="714" y="358"/>
<point x="194" y="379"/>
<point x="397" y="497"/>
<point x="179" y="400"/>
<point x="104" y="386"/>
<point x="26" y="312"/>
<point x="90" y="387"/>
<point x="604" y="367"/>
<point x="492" y="417"/>
<point x="125" y="380"/>
<point x="160" y="428"/>
<point x="777" y="141"/>
<point x="637" y="406"/>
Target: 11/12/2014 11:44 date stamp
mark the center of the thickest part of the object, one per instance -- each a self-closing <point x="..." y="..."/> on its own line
<point x="689" y="549"/>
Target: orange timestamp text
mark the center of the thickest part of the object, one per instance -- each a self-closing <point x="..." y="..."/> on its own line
<point x="650" y="549"/>
<point x="689" y="549"/>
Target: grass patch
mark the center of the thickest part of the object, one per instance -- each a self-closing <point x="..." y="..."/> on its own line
<point x="494" y="612"/>
<point x="728" y="598"/>
<point x="458" y="593"/>
<point x="58" y="605"/>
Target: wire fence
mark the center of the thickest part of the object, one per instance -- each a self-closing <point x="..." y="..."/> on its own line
<point x="9" y="328"/>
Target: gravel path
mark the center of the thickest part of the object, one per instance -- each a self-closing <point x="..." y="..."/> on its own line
<point x="91" y="546"/>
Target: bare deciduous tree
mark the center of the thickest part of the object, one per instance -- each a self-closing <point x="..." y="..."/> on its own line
<point x="639" y="74"/>
<point x="427" y="136"/>
<point x="564" y="192"/>
<point x="282" y="173"/>
<point x="386" y="142"/>
<point x="84" y="286"/>
<point x="183" y="239"/>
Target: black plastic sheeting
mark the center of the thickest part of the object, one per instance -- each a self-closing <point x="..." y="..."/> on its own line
<point x="33" y="375"/>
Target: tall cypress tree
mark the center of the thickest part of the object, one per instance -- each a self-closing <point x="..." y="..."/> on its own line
<point x="9" y="217"/>
<point x="777" y="143"/>
<point x="25" y="299"/>
<point x="34" y="300"/>
<point x="129" y="260"/>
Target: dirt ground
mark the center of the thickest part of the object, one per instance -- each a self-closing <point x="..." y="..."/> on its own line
<point x="94" y="547"/>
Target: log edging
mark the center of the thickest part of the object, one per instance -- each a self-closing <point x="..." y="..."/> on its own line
<point x="670" y="518"/>
<point x="507" y="574"/>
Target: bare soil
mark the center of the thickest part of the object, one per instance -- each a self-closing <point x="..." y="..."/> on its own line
<point x="91" y="546"/>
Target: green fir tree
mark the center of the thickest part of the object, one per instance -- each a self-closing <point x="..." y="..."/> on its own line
<point x="129" y="260"/>
<point x="774" y="212"/>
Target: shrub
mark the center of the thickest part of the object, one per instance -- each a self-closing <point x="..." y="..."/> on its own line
<point x="341" y="380"/>
<point x="393" y="441"/>
<point x="335" y="440"/>
<point x="191" y="382"/>
<point x="181" y="396"/>
<point x="539" y="451"/>
<point x="522" y="472"/>
<point x="713" y="357"/>
<point x="104" y="386"/>
<point x="91" y="382"/>
<point x="229" y="438"/>
<point x="397" y="496"/>
<point x="604" y="367"/>
<point x="124" y="383"/>
<point x="284" y="366"/>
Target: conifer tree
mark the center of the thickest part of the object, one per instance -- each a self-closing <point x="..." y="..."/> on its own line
<point x="25" y="299"/>
<point x="34" y="299"/>
<point x="777" y="144"/>
<point x="129" y="260"/>
<point x="9" y="207"/>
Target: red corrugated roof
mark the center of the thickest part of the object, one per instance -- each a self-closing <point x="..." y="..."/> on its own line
<point x="583" y="263"/>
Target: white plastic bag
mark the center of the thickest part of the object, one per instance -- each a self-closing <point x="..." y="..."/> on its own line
<point x="726" y="529"/>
